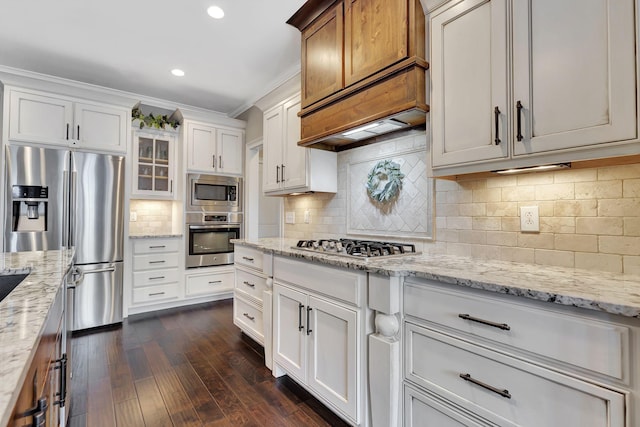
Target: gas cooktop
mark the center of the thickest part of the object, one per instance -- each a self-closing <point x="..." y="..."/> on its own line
<point x="362" y="249"/>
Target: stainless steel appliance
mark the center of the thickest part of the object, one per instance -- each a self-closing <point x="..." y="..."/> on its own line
<point x="214" y="193"/>
<point x="355" y="248"/>
<point x="82" y="207"/>
<point x="209" y="238"/>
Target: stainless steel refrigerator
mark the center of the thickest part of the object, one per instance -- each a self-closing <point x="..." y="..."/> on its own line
<point x="60" y="198"/>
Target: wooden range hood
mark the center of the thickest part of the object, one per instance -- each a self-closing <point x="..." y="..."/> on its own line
<point x="362" y="64"/>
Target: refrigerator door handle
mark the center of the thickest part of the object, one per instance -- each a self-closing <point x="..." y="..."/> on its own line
<point x="72" y="209"/>
<point x="75" y="282"/>
<point x="65" y="210"/>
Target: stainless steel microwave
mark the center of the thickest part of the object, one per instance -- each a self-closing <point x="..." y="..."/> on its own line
<point x="214" y="193"/>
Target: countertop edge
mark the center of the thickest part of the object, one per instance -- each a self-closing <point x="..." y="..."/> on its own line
<point x="610" y="293"/>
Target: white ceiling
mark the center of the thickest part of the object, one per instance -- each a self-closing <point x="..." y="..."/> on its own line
<point x="132" y="46"/>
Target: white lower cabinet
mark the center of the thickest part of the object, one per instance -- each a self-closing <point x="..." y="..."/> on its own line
<point x="474" y="358"/>
<point x="156" y="277"/>
<point x="214" y="281"/>
<point x="317" y="339"/>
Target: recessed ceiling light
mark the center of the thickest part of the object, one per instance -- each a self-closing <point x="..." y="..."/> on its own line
<point x="215" y="12"/>
<point x="177" y="72"/>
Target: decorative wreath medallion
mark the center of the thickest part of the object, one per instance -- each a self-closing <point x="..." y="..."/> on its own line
<point x="384" y="181"/>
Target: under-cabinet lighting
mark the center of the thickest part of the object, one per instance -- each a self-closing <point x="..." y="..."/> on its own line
<point x="177" y="72"/>
<point x="215" y="12"/>
<point x="360" y="129"/>
<point x="541" y="168"/>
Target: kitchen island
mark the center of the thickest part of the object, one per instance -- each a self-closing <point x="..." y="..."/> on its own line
<point x="567" y="334"/>
<point x="23" y="314"/>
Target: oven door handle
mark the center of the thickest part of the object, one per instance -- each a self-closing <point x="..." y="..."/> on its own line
<point x="213" y="227"/>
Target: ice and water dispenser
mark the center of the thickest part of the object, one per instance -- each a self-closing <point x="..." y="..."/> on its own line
<point x="30" y="204"/>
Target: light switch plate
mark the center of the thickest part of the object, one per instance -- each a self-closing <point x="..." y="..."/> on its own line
<point x="133" y="216"/>
<point x="529" y="219"/>
<point x="307" y="217"/>
<point x="290" y="217"/>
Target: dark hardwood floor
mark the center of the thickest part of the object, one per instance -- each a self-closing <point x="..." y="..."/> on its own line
<point x="183" y="367"/>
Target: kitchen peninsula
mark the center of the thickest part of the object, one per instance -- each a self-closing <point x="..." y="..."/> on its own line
<point x="23" y="315"/>
<point x="565" y="334"/>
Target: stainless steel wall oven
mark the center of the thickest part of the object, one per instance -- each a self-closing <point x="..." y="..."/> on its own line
<point x="209" y="238"/>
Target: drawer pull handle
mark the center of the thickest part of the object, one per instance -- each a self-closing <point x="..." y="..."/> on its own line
<point x="156" y="293"/>
<point x="502" y="326"/>
<point x="157" y="262"/>
<point x="157" y="247"/>
<point x="156" y="278"/>
<point x="215" y="281"/>
<point x="246" y="258"/>
<point x="252" y="318"/>
<point x="503" y="393"/>
<point x="251" y="285"/>
<point x="309" y="330"/>
<point x="300" y="307"/>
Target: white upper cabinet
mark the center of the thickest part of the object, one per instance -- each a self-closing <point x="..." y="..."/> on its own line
<point x="288" y="167"/>
<point x="154" y="163"/>
<point x="213" y="150"/>
<point x="40" y="117"/>
<point x="519" y="83"/>
<point x="469" y="74"/>
<point x="573" y="73"/>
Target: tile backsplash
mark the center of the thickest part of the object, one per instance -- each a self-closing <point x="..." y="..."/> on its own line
<point x="154" y="217"/>
<point x="589" y="218"/>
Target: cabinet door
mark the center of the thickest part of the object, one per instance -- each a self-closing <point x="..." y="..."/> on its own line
<point x="100" y="127"/>
<point x="272" y="151"/>
<point x="333" y="354"/>
<point x="574" y="73"/>
<point x="376" y="36"/>
<point x="201" y="146"/>
<point x="153" y="164"/>
<point x="229" y="151"/>
<point x="322" y="71"/>
<point x="294" y="173"/>
<point x="39" y="118"/>
<point x="289" y="334"/>
<point x="469" y="81"/>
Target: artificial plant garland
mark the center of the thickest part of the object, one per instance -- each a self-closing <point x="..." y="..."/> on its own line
<point x="384" y="170"/>
<point x="158" y="121"/>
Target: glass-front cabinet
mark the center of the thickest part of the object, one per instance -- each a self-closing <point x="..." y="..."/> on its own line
<point x="154" y="164"/>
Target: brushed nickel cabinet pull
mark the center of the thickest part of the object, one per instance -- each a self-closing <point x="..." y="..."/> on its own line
<point x="502" y="326"/>
<point x="251" y="285"/>
<point x="503" y="393"/>
<point x="156" y="278"/>
<point x="277" y="174"/>
<point x="246" y="258"/>
<point x="157" y="262"/>
<point x="282" y="177"/>
<point x="252" y="318"/>
<point x="215" y="281"/>
<point x="157" y="247"/>
<point x="78" y="132"/>
<point x="67" y="131"/>
<point x="213" y="162"/>
<point x="220" y="162"/>
<point x="156" y="293"/>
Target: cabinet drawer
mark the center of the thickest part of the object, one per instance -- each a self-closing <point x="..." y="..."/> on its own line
<point x="249" y="257"/>
<point x="155" y="261"/>
<point x="155" y="277"/>
<point x="438" y="362"/>
<point x="421" y="410"/>
<point x="212" y="283"/>
<point x="150" y="246"/>
<point x="248" y="317"/>
<point x="590" y="344"/>
<point x="250" y="284"/>
<point x="156" y="293"/>
<point x="345" y="285"/>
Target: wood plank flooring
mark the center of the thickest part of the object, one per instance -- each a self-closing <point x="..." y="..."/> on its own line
<point x="183" y="367"/>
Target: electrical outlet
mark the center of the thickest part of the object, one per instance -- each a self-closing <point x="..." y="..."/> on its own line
<point x="529" y="219"/>
<point x="133" y="216"/>
<point x="290" y="217"/>
<point x="307" y="217"/>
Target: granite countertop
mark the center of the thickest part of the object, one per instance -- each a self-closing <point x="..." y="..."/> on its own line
<point x="607" y="292"/>
<point x="153" y="236"/>
<point x="22" y="316"/>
